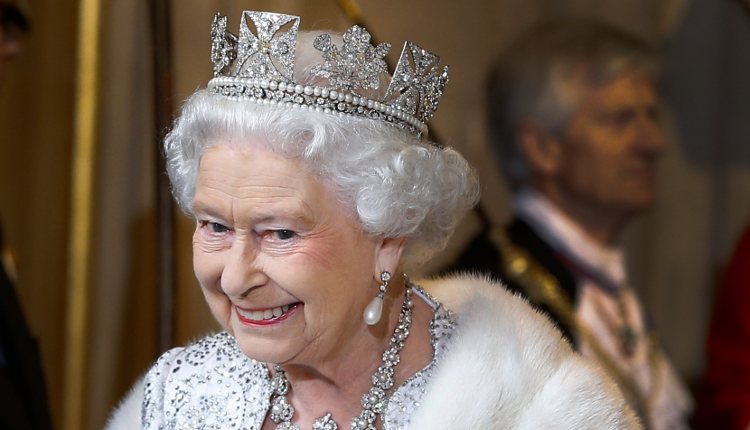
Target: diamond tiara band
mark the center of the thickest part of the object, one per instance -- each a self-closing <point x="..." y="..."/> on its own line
<point x="260" y="67"/>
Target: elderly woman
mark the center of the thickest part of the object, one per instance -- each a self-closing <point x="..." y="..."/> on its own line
<point x="313" y="187"/>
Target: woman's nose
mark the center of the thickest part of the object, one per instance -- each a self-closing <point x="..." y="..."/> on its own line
<point x="242" y="272"/>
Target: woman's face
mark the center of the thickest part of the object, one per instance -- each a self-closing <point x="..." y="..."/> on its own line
<point x="283" y="265"/>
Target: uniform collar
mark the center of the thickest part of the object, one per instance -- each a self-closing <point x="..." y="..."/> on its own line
<point x="601" y="263"/>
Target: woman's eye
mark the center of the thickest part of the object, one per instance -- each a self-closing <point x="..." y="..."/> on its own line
<point x="215" y="227"/>
<point x="218" y="228"/>
<point x="284" y="234"/>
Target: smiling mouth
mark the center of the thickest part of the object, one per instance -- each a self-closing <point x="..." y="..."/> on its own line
<point x="265" y="316"/>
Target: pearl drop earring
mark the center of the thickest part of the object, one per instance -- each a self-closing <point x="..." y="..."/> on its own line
<point x="374" y="310"/>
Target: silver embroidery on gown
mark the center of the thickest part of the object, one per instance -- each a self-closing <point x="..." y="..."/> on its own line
<point x="212" y="385"/>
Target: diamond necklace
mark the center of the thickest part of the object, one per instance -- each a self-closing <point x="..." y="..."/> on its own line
<point x="374" y="401"/>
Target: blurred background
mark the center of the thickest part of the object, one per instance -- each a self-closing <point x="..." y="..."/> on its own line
<point x="79" y="164"/>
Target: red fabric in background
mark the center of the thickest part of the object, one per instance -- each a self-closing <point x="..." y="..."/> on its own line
<point x="724" y="402"/>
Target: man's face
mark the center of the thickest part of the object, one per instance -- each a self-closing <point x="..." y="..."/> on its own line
<point x="610" y="147"/>
<point x="10" y="42"/>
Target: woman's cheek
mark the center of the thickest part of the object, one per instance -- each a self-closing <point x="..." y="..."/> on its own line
<point x="322" y="250"/>
<point x="207" y="268"/>
<point x="220" y="307"/>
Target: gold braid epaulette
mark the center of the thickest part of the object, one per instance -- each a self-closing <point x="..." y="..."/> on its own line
<point x="542" y="288"/>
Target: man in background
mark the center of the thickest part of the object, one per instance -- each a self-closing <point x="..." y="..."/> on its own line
<point x="13" y="25"/>
<point x="573" y="120"/>
<point x="23" y="398"/>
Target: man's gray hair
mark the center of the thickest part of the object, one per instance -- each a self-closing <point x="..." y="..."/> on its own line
<point x="541" y="76"/>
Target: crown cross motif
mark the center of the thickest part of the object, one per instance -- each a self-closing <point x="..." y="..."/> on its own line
<point x="259" y="66"/>
<point x="270" y="53"/>
<point x="418" y="82"/>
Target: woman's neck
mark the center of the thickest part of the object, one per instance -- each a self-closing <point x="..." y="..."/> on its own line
<point x="338" y="386"/>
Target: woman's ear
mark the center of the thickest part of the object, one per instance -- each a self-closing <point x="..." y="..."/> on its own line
<point x="541" y="150"/>
<point x="388" y="255"/>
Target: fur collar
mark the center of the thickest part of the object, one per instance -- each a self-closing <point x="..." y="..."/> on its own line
<point x="507" y="367"/>
<point x="510" y="368"/>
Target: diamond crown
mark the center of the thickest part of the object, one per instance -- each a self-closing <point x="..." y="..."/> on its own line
<point x="260" y="66"/>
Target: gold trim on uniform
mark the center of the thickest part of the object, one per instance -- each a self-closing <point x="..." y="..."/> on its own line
<point x="543" y="289"/>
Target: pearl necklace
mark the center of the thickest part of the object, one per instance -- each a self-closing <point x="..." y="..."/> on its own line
<point x="374" y="402"/>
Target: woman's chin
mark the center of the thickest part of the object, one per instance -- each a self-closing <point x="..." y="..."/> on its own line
<point x="266" y="350"/>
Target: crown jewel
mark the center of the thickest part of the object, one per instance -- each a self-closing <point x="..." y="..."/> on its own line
<point x="260" y="66"/>
<point x="357" y="64"/>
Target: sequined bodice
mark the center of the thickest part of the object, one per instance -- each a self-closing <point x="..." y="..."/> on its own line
<point x="212" y="385"/>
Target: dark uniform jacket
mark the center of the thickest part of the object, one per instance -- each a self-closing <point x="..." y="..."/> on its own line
<point x="527" y="265"/>
<point x="23" y="396"/>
